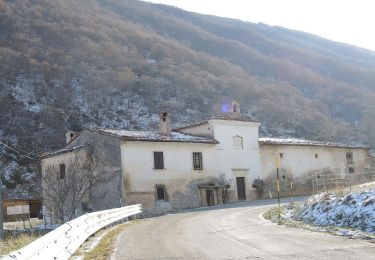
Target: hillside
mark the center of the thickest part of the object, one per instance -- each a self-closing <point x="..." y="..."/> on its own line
<point x="70" y="64"/>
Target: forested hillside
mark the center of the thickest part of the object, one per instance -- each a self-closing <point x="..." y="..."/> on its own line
<point x="109" y="63"/>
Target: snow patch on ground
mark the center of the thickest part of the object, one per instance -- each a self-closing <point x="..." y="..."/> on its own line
<point x="288" y="217"/>
<point x="352" y="210"/>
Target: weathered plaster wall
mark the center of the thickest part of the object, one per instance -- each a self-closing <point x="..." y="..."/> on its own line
<point x="68" y="159"/>
<point x="234" y="162"/>
<point x="109" y="191"/>
<point x="178" y="174"/>
<point x="300" y="162"/>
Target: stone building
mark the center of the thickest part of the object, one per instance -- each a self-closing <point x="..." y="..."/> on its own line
<point x="204" y="164"/>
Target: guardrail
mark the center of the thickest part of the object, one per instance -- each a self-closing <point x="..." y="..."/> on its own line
<point x="62" y="242"/>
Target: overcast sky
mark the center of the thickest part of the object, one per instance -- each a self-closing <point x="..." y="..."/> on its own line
<point x="349" y="21"/>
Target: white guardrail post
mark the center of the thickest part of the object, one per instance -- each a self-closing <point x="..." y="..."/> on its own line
<point x="62" y="242"/>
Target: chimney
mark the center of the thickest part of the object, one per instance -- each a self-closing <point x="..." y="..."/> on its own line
<point x="165" y="123"/>
<point x="69" y="136"/>
<point x="235" y="108"/>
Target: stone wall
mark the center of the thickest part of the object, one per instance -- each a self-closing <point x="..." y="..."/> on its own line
<point x="105" y="152"/>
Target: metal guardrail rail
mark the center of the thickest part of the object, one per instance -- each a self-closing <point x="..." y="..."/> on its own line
<point x="62" y="242"/>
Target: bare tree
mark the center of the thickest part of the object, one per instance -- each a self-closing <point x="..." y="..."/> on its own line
<point x="64" y="189"/>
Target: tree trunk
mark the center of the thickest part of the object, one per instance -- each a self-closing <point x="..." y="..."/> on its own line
<point x="1" y="207"/>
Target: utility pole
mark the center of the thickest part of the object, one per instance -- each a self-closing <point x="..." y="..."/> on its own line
<point x="278" y="186"/>
<point x="291" y="183"/>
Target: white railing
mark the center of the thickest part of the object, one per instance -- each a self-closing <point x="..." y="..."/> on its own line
<point x="62" y="242"/>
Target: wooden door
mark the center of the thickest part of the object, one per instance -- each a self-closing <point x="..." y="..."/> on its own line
<point x="241" y="193"/>
<point x="210" y="198"/>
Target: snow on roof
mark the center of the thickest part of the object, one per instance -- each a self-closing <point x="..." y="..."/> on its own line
<point x="304" y="142"/>
<point x="155" y="136"/>
<point x="64" y="150"/>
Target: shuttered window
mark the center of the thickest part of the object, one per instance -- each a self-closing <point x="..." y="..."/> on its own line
<point x="160" y="192"/>
<point x="349" y="157"/>
<point x="197" y="161"/>
<point x="62" y="171"/>
<point x="158" y="160"/>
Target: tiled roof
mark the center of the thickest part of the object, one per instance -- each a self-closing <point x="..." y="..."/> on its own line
<point x="155" y="136"/>
<point x="303" y="142"/>
<point x="233" y="117"/>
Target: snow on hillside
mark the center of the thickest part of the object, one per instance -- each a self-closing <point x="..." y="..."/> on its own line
<point x="353" y="210"/>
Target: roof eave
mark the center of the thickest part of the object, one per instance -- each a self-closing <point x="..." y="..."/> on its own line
<point x="319" y="145"/>
<point x="171" y="141"/>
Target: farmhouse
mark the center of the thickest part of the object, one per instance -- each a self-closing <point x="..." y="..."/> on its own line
<point x="209" y="163"/>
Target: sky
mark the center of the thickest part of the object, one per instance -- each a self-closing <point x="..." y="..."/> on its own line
<point x="349" y="21"/>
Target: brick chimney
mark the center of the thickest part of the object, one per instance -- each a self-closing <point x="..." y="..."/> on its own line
<point x="165" y="123"/>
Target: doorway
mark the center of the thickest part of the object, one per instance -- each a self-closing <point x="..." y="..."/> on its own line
<point x="210" y="198"/>
<point x="241" y="194"/>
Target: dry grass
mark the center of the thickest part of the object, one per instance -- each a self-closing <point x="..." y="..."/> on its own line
<point x="11" y="243"/>
<point x="104" y="249"/>
<point x="277" y="214"/>
<point x="272" y="213"/>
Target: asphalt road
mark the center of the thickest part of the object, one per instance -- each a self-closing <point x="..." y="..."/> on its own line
<point x="237" y="231"/>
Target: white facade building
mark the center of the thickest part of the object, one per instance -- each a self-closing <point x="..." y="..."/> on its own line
<point x="209" y="163"/>
<point x="219" y="165"/>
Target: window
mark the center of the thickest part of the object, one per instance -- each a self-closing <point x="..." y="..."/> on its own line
<point x="281" y="155"/>
<point x="160" y="192"/>
<point x="158" y="160"/>
<point x="316" y="156"/>
<point x="234" y="106"/>
<point x="351" y="170"/>
<point x="85" y="207"/>
<point x="237" y="142"/>
<point x="349" y="157"/>
<point x="62" y="171"/>
<point x="197" y="161"/>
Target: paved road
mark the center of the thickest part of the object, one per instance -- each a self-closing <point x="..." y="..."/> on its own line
<point x="232" y="232"/>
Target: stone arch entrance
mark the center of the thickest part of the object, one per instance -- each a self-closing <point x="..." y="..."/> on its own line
<point x="211" y="194"/>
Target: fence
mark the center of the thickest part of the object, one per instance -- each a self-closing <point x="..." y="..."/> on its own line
<point x="62" y="242"/>
<point x="332" y="179"/>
